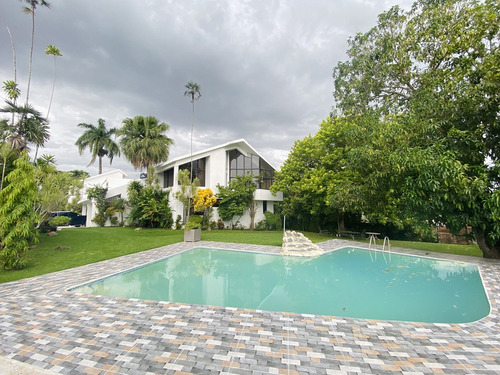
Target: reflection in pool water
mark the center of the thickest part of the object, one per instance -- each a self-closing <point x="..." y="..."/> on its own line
<point x="349" y="282"/>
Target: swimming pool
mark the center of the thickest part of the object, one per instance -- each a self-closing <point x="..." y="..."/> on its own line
<point x="349" y="282"/>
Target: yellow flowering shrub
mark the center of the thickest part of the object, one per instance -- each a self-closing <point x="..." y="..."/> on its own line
<point x="203" y="199"/>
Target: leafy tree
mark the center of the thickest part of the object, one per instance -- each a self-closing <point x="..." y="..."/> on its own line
<point x="236" y="197"/>
<point x="316" y="180"/>
<point x="54" y="188"/>
<point x="17" y="218"/>
<point x="423" y="90"/>
<point x="98" y="140"/>
<point x="143" y="141"/>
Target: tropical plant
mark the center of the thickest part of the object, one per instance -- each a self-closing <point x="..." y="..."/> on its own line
<point x="30" y="126"/>
<point x="236" y="197"/>
<point x="143" y="141"/>
<point x="117" y="206"/>
<point x="12" y="90"/>
<point x="17" y="217"/>
<point x="194" y="222"/>
<point x="98" y="140"/>
<point x="149" y="206"/>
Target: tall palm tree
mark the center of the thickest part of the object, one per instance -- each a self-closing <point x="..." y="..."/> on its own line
<point x="193" y="91"/>
<point x="30" y="9"/>
<point x="54" y="51"/>
<point x="143" y="141"/>
<point x="98" y="140"/>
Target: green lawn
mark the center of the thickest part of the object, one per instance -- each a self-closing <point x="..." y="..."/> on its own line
<point x="76" y="247"/>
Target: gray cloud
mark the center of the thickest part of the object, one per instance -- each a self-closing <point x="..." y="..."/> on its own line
<point x="264" y="67"/>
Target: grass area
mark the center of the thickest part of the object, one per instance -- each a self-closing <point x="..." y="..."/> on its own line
<point x="470" y="250"/>
<point x="80" y="246"/>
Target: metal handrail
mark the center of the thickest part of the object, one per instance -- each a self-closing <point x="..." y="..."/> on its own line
<point x="388" y="244"/>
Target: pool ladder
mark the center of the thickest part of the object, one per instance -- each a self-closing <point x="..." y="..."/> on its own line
<point x="386" y="241"/>
<point x="388" y="244"/>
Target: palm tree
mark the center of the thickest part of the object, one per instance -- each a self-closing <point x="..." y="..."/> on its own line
<point x="30" y="9"/>
<point x="192" y="90"/>
<point x="143" y="141"/>
<point x="54" y="51"/>
<point x="98" y="140"/>
<point x="30" y="127"/>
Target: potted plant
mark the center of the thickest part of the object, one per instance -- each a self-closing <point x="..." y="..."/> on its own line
<point x="192" y="229"/>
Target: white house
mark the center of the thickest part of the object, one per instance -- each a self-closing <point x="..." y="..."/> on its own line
<point x="218" y="165"/>
<point x="212" y="166"/>
<point x="117" y="184"/>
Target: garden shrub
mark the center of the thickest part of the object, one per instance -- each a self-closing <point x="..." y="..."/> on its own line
<point x="59" y="221"/>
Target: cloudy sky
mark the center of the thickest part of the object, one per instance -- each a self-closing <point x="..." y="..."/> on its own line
<point x="264" y="67"/>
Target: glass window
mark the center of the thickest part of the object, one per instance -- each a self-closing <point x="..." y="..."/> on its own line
<point x="240" y="164"/>
<point x="198" y="169"/>
<point x="168" y="178"/>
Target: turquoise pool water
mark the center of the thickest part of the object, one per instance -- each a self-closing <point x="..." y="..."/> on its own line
<point x="349" y="282"/>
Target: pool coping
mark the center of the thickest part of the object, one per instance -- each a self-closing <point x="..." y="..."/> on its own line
<point x="46" y="328"/>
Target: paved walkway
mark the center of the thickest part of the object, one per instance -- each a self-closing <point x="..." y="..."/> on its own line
<point x="44" y="329"/>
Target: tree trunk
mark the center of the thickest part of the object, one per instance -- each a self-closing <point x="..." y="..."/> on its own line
<point x="100" y="164"/>
<point x="340" y="222"/>
<point x="491" y="252"/>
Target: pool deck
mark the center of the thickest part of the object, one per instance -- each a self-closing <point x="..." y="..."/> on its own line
<point x="45" y="329"/>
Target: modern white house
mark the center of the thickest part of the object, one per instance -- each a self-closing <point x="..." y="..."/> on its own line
<point x="116" y="181"/>
<point x="212" y="166"/>
<point x="219" y="165"/>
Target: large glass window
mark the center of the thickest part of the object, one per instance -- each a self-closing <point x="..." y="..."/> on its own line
<point x="240" y="164"/>
<point x="168" y="178"/>
<point x="199" y="166"/>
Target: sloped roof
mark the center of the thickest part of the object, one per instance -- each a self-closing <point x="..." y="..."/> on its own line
<point x="240" y="144"/>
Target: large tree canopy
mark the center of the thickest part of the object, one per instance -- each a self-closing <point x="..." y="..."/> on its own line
<point x="429" y="80"/>
<point x="414" y="136"/>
